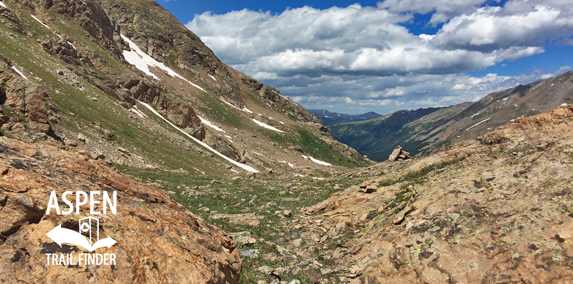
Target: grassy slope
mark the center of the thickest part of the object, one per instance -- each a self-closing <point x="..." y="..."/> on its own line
<point x="77" y="109"/>
<point x="264" y="197"/>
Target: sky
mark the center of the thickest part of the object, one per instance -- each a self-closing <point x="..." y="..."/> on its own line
<point x="384" y="56"/>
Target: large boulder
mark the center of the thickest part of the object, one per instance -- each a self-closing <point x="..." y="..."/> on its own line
<point x="158" y="240"/>
<point x="223" y="146"/>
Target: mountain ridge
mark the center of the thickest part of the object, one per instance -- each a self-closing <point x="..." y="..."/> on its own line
<point x="330" y="118"/>
<point x="118" y="96"/>
<point x="424" y="135"/>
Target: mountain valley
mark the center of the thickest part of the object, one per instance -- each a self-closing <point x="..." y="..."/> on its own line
<point x="222" y="179"/>
<point x="424" y="131"/>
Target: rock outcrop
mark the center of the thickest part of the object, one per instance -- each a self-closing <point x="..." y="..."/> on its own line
<point x="10" y="19"/>
<point x="399" y="155"/>
<point x="88" y="14"/>
<point x="223" y="146"/>
<point x="499" y="211"/>
<point x="158" y="240"/>
<point x="27" y="100"/>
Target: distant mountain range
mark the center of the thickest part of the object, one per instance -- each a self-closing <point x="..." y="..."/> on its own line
<point x="330" y="118"/>
<point x="423" y="131"/>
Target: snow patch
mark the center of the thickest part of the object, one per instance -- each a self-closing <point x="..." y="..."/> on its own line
<point x="72" y="45"/>
<point x="245" y="109"/>
<point x="505" y="99"/>
<point x="478" y="123"/>
<point x="232" y="105"/>
<point x="563" y="104"/>
<point x="281" y="122"/>
<point x="298" y="175"/>
<point x="317" y="161"/>
<point x="138" y="112"/>
<point x="235" y="171"/>
<point x="46" y="26"/>
<point x="212" y="77"/>
<point x="230" y="138"/>
<point x="317" y="178"/>
<point x="264" y="125"/>
<point x="208" y="123"/>
<point x="258" y="154"/>
<point x="245" y="167"/>
<point x="477" y="113"/>
<point x="3" y="5"/>
<point x="289" y="164"/>
<point x="19" y="72"/>
<point x="142" y="61"/>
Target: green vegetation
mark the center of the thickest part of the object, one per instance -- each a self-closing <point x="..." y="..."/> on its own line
<point x="78" y="111"/>
<point x="321" y="150"/>
<point x="220" y="111"/>
<point x="267" y="198"/>
<point x="419" y="176"/>
<point x="128" y="132"/>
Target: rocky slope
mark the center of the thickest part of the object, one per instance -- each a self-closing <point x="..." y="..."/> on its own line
<point x="86" y="86"/>
<point x="438" y="127"/>
<point x="158" y="240"/>
<point x="99" y="63"/>
<point x="453" y="218"/>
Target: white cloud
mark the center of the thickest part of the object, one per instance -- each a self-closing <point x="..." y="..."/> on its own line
<point x="360" y="57"/>
<point x="492" y="28"/>
<point x="444" y="9"/>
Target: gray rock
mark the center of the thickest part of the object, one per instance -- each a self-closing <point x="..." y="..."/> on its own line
<point x="243" y="238"/>
<point x="265" y="269"/>
<point x="252" y="253"/>
<point x="108" y="133"/>
<point x="325" y="271"/>
<point x="124" y="151"/>
<point x="82" y="137"/>
<point x="303" y="263"/>
<point x="543" y="146"/>
<point x="71" y="142"/>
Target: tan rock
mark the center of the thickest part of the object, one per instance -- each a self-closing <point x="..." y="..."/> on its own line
<point x="18" y="127"/>
<point x="368" y="189"/>
<point x="400" y="216"/>
<point x="153" y="232"/>
<point x="399" y="154"/>
<point x="249" y="219"/>
<point x="244" y="238"/>
<point x="363" y="218"/>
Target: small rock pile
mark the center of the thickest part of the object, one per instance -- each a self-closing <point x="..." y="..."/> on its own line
<point x="367" y="187"/>
<point x="399" y="155"/>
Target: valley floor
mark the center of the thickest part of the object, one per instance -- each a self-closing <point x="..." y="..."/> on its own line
<point x="494" y="210"/>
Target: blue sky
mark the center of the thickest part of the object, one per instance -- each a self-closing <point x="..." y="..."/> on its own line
<point x="384" y="56"/>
